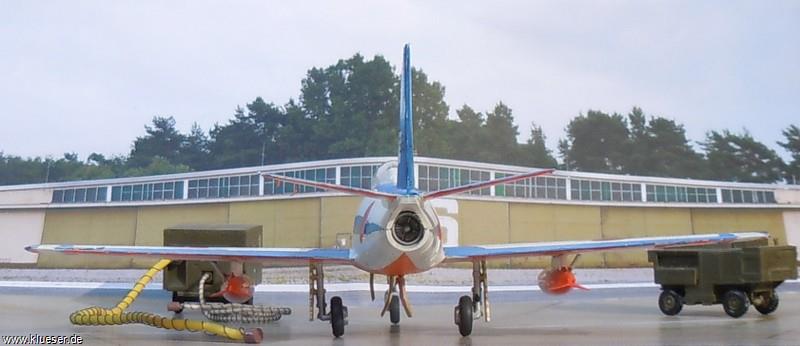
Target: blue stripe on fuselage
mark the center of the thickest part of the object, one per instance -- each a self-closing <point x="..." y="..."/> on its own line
<point x="368" y="227"/>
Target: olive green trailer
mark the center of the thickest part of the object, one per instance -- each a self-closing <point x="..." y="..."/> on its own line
<point x="182" y="278"/>
<point x="734" y="277"/>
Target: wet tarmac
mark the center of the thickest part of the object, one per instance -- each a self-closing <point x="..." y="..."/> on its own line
<point x="619" y="316"/>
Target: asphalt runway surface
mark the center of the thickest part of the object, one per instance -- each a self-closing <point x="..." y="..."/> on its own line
<point x="618" y="316"/>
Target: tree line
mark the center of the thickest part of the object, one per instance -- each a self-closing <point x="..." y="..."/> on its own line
<point x="350" y="109"/>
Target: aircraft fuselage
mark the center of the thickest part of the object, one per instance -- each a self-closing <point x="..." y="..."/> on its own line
<point x="396" y="237"/>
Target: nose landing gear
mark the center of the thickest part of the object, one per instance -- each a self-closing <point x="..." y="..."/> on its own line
<point x="392" y="299"/>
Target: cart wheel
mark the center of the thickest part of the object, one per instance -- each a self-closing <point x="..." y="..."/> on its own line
<point x="394" y="310"/>
<point x="769" y="304"/>
<point x="670" y="302"/>
<point x="176" y="305"/>
<point x="735" y="303"/>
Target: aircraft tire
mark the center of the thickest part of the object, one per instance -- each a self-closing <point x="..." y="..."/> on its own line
<point x="337" y="316"/>
<point x="464" y="315"/>
<point x="394" y="310"/>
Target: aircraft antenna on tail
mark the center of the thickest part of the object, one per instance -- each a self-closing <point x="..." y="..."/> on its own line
<point x="405" y="164"/>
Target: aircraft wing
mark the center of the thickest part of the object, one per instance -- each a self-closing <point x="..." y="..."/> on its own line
<point x="474" y="252"/>
<point x="242" y="254"/>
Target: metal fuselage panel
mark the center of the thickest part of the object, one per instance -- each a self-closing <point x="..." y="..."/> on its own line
<point x="376" y="250"/>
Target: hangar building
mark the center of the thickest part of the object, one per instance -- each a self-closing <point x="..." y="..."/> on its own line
<point x="564" y="206"/>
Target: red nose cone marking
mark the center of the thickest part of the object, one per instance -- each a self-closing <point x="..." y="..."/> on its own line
<point x="401" y="266"/>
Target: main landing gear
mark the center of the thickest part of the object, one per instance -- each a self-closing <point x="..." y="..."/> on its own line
<point x="477" y="306"/>
<point x="316" y="301"/>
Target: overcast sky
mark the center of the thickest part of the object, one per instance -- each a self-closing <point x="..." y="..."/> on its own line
<point x="86" y="76"/>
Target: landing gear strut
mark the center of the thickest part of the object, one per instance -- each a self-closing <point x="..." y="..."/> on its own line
<point x="316" y="301"/>
<point x="477" y="306"/>
<point x="396" y="295"/>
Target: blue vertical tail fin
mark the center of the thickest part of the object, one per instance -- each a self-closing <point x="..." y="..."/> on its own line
<point x="405" y="160"/>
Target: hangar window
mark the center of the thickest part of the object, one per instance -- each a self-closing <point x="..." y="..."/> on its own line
<point x="177" y="192"/>
<point x="478" y="176"/>
<point x="358" y="176"/>
<point x="80" y="195"/>
<point x="434" y="178"/>
<point x="223" y="187"/>
<point x="69" y="196"/>
<point x="143" y="192"/>
<point x="127" y="192"/>
<point x="737" y="196"/>
<point x="245" y="185"/>
<point x="538" y="187"/>
<point x="680" y="194"/>
<point x="748" y="196"/>
<point x="520" y="189"/>
<point x="594" y="190"/>
<point x="58" y="196"/>
<point x="137" y="192"/>
<point x="101" y="194"/>
<point x="323" y="175"/>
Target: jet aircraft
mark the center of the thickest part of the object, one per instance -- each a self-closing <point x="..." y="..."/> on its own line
<point x="397" y="233"/>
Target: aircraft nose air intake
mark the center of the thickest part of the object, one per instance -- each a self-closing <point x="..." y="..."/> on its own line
<point x="407" y="229"/>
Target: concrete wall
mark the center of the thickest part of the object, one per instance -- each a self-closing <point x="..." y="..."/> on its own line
<point x="26" y="197"/>
<point x="286" y="223"/>
<point x="314" y="222"/>
<point x="499" y="222"/>
<point x="536" y="222"/>
<point x="787" y="196"/>
<point x="151" y="222"/>
<point x="791" y="221"/>
<point x="18" y="229"/>
<point x="109" y="226"/>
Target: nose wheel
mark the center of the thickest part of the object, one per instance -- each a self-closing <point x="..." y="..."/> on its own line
<point x="396" y="295"/>
<point x="394" y="310"/>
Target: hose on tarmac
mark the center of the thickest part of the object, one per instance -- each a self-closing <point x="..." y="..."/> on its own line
<point x="99" y="316"/>
<point x="231" y="312"/>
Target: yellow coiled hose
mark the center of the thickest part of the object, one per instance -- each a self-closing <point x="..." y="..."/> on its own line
<point x="98" y="316"/>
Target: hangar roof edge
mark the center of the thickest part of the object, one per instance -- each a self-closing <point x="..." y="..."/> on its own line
<point x="381" y="159"/>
